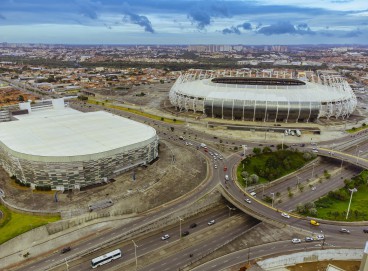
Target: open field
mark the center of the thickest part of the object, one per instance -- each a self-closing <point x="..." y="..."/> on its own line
<point x="14" y="224"/>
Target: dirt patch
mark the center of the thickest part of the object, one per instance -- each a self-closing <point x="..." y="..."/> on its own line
<point x="321" y="266"/>
<point x="156" y="184"/>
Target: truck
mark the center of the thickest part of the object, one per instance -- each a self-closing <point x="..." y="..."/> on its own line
<point x="298" y="133"/>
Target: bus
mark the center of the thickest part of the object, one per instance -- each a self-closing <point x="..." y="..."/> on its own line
<point x="108" y="257"/>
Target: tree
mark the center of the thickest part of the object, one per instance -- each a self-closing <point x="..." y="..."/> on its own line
<point x="307" y="156"/>
<point x="256" y="150"/>
<point x="266" y="149"/>
<point x="313" y="211"/>
<point x="245" y="174"/>
<point x="310" y="205"/>
<point x="300" y="208"/>
<point x="21" y="98"/>
<point x="253" y="179"/>
<point x="172" y="129"/>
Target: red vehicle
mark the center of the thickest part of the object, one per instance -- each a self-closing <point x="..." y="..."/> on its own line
<point x="205" y="150"/>
<point x="225" y="168"/>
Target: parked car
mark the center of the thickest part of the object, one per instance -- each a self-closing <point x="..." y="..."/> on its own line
<point x="165" y="237"/>
<point x="193" y="225"/>
<point x="296" y="241"/>
<point x="65" y="250"/>
<point x="343" y="230"/>
<point x="211" y="222"/>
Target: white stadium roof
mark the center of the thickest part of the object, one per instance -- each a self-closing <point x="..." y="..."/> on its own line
<point x="67" y="132"/>
<point x="309" y="92"/>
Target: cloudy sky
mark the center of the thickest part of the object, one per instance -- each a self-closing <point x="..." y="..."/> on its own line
<point x="184" y="21"/>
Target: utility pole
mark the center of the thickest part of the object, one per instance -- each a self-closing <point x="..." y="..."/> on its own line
<point x="135" y="255"/>
<point x="351" y="196"/>
<point x="180" y="220"/>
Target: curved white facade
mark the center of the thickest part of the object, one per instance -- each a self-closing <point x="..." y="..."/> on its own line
<point x="262" y="99"/>
<point x="72" y="149"/>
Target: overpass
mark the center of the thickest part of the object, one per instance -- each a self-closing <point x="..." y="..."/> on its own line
<point x="344" y="157"/>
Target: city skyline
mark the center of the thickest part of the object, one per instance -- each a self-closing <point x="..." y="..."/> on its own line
<point x="185" y="22"/>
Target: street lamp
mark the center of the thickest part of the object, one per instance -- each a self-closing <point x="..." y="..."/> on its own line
<point x="351" y="196"/>
<point x="323" y="241"/>
<point x="245" y="148"/>
<point x="313" y="170"/>
<point x="230" y="209"/>
<point x="180" y="220"/>
<point x="359" y="152"/>
<point x="297" y="182"/>
<point x="67" y="265"/>
<point x="282" y="143"/>
<point x="135" y="255"/>
<point x="273" y="197"/>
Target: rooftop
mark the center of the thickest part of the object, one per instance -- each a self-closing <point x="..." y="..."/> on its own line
<point x="68" y="132"/>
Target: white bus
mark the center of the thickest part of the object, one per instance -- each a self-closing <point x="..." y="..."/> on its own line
<point x="108" y="257"/>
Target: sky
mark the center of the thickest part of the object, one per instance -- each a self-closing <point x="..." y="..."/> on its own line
<point x="247" y="22"/>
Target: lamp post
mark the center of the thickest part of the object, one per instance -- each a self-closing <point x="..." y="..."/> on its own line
<point x="282" y="143"/>
<point x="245" y="148"/>
<point x="351" y="196"/>
<point x="230" y="209"/>
<point x="313" y="170"/>
<point x="297" y="182"/>
<point x="180" y="220"/>
<point x="135" y="255"/>
<point x="323" y="241"/>
<point x="359" y="152"/>
<point x="273" y="197"/>
<point x="67" y="265"/>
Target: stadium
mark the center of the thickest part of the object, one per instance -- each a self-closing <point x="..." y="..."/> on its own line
<point x="249" y="97"/>
<point x="62" y="148"/>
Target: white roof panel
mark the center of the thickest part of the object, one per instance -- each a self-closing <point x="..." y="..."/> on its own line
<point x="69" y="132"/>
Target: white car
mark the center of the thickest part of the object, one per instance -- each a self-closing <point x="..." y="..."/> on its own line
<point x="165" y="237"/>
<point x="320" y="237"/>
<point x="296" y="241"/>
<point x="315" y="150"/>
<point x="247" y="200"/>
<point x="211" y="222"/>
<point x="215" y="166"/>
<point x="285" y="215"/>
<point x="313" y="188"/>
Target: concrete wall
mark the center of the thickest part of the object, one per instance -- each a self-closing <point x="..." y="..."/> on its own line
<point x="278" y="263"/>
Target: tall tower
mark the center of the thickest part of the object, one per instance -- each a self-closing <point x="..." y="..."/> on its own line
<point x="364" y="263"/>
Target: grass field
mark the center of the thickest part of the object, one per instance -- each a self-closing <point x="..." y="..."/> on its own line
<point x="272" y="161"/>
<point x="332" y="209"/>
<point x="14" y="224"/>
<point x="135" y="111"/>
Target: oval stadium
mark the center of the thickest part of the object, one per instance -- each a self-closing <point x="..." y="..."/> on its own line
<point x="253" y="98"/>
<point x="63" y="148"/>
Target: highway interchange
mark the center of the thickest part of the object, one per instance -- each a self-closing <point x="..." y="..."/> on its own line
<point x="216" y="180"/>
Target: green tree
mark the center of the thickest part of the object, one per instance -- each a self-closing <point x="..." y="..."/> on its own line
<point x="256" y="150"/>
<point x="266" y="149"/>
<point x="21" y="98"/>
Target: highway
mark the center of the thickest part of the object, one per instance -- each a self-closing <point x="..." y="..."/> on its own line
<point x="216" y="176"/>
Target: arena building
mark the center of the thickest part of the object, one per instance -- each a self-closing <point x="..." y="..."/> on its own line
<point x="63" y="148"/>
<point x="246" y="96"/>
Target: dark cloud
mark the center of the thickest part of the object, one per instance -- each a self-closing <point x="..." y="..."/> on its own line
<point x="231" y="30"/>
<point x="87" y="8"/>
<point x="352" y="34"/>
<point x="281" y="28"/>
<point x="199" y="18"/>
<point x="139" y="20"/>
<point x="245" y="26"/>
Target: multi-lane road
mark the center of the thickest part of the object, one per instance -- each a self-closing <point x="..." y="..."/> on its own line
<point x="216" y="176"/>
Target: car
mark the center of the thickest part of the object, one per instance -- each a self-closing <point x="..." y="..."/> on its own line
<point x="247" y="200"/>
<point x="253" y="194"/>
<point x="309" y="239"/>
<point x="296" y="241"/>
<point x="65" y="250"/>
<point x="285" y="215"/>
<point x="211" y="222"/>
<point x="165" y="237"/>
<point x="220" y="157"/>
<point x="320" y="237"/>
<point x="215" y="166"/>
<point x="315" y="223"/>
<point x="193" y="225"/>
<point x="365" y="230"/>
<point x="185" y="233"/>
<point x="343" y="230"/>
<point x="302" y="145"/>
<point x="315" y="151"/>
<point x="225" y="168"/>
<point x="313" y="188"/>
